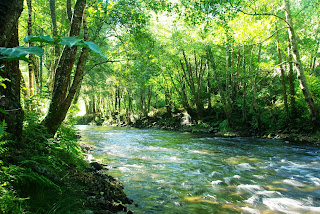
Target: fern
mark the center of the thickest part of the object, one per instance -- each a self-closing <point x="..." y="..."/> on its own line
<point x="9" y="201"/>
<point x="3" y="144"/>
<point x="3" y="147"/>
<point x="31" y="178"/>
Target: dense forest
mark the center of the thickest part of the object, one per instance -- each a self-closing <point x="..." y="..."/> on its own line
<point x="225" y="64"/>
<point x="229" y="65"/>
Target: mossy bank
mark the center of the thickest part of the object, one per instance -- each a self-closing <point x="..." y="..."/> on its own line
<point x="39" y="175"/>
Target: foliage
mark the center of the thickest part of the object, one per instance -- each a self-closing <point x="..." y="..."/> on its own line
<point x="34" y="177"/>
<point x="241" y="88"/>
<point x="19" y="53"/>
<point x="153" y="63"/>
<point x="68" y="41"/>
<point x="9" y="201"/>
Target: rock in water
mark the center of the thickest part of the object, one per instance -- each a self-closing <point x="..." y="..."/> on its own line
<point x="97" y="166"/>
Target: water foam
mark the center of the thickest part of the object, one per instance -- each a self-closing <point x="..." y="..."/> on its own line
<point x="288" y="206"/>
<point x="250" y="210"/>
<point x="250" y="188"/>
<point x="217" y="182"/>
<point x="245" y="166"/>
<point x="293" y="183"/>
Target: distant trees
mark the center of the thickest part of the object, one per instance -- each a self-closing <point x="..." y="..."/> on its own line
<point x="237" y="69"/>
<point x="226" y="65"/>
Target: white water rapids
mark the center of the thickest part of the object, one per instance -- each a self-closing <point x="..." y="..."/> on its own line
<point x="176" y="172"/>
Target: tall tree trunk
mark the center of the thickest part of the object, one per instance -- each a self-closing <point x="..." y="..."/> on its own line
<point x="61" y="99"/>
<point x="31" y="56"/>
<point x="298" y="64"/>
<point x="115" y="98"/>
<point x="227" y="92"/>
<point x="69" y="12"/>
<point x="244" y="107"/>
<point x="119" y="100"/>
<point x="291" y="85"/>
<point x="314" y="56"/>
<point x="56" y="50"/>
<point x="193" y="76"/>
<point x="10" y="12"/>
<point x="255" y="106"/>
<point x="209" y="89"/>
<point x="283" y="81"/>
<point x="149" y="98"/>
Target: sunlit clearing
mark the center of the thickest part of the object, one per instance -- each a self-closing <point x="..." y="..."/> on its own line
<point x="82" y="108"/>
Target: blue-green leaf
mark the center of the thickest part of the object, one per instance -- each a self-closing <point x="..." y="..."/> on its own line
<point x="40" y="38"/>
<point x="19" y="52"/>
<point x="94" y="47"/>
<point x="70" y="41"/>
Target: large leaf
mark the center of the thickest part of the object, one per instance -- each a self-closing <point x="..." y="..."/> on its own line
<point x="40" y="38"/>
<point x="19" y="52"/>
<point x="70" y="41"/>
<point x="94" y="47"/>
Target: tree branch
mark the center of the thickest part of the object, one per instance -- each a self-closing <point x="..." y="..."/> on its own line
<point x="269" y="37"/>
<point x="262" y="14"/>
<point x="107" y="61"/>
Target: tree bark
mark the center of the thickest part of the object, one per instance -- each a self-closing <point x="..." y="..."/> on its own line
<point x="10" y="12"/>
<point x="54" y="34"/>
<point x="299" y="68"/>
<point x="314" y="56"/>
<point x="255" y="106"/>
<point x="283" y="81"/>
<point x="69" y="12"/>
<point x="61" y="99"/>
<point x="193" y="76"/>
<point x="244" y="106"/>
<point x="31" y="56"/>
<point x="291" y="86"/>
<point x="149" y="99"/>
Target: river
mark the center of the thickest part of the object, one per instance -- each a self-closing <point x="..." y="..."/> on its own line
<point x="181" y="172"/>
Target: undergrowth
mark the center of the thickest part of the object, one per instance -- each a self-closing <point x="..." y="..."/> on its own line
<point x="38" y="175"/>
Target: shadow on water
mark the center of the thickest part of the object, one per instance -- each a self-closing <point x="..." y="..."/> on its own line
<point x="177" y="172"/>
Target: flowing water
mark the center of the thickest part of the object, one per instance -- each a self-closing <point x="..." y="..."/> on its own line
<point x="177" y="172"/>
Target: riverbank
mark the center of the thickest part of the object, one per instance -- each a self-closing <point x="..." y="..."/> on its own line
<point x="179" y="121"/>
<point x="292" y="137"/>
<point x="39" y="175"/>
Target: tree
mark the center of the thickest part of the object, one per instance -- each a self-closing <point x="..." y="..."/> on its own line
<point x="61" y="95"/>
<point x="299" y="67"/>
<point x="10" y="12"/>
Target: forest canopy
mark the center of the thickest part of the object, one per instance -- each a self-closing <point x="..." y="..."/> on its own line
<point x="229" y="65"/>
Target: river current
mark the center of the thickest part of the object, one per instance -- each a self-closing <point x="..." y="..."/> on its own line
<point x="181" y="172"/>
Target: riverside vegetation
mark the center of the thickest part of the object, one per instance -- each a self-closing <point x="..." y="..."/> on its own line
<point x="249" y="67"/>
<point x="41" y="175"/>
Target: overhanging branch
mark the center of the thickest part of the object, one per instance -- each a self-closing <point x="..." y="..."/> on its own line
<point x="107" y="61"/>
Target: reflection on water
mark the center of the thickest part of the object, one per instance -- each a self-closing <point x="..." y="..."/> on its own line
<point x="175" y="172"/>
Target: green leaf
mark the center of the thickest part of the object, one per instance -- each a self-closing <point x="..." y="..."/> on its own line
<point x="94" y="47"/>
<point x="70" y="41"/>
<point x="19" y="53"/>
<point x="40" y="38"/>
<point x="1" y="130"/>
<point x="3" y="112"/>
